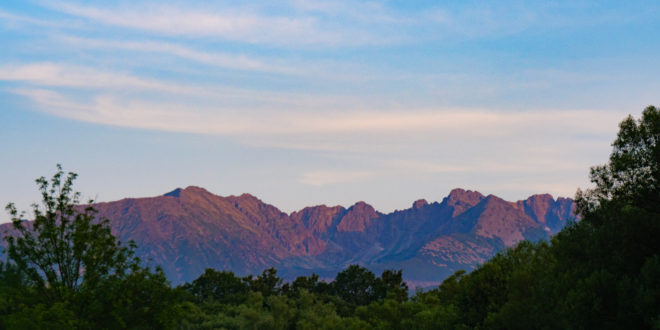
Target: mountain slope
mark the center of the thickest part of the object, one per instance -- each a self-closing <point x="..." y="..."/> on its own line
<point x="188" y="230"/>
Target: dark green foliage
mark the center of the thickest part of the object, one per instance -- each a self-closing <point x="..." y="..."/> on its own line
<point x="619" y="230"/>
<point x="309" y="284"/>
<point x="223" y="287"/>
<point x="391" y="285"/>
<point x="141" y="300"/>
<point x="356" y="285"/>
<point x="267" y="283"/>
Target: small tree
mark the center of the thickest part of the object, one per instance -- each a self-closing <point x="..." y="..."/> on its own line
<point x="223" y="287"/>
<point x="632" y="175"/>
<point x="65" y="248"/>
<point x="392" y="283"/>
<point x="268" y="283"/>
<point x="356" y="285"/>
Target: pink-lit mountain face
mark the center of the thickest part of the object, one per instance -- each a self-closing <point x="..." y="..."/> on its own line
<point x="188" y="230"/>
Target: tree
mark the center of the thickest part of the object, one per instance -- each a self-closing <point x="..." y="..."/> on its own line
<point x="73" y="273"/>
<point x="392" y="282"/>
<point x="604" y="258"/>
<point x="633" y="172"/>
<point x="622" y="211"/>
<point x="355" y="285"/>
<point x="65" y="247"/>
<point x="223" y="287"/>
<point x="268" y="283"/>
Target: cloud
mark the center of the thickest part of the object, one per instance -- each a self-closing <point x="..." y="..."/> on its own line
<point x="311" y="23"/>
<point x="88" y="80"/>
<point x="50" y="74"/>
<point x="238" y="24"/>
<point x="14" y="19"/>
<point x="363" y="12"/>
<point x="323" y="178"/>
<point x="226" y="60"/>
<point x="522" y="165"/>
<point x="560" y="187"/>
<point x="306" y="69"/>
<point x="111" y="98"/>
<point x="104" y="108"/>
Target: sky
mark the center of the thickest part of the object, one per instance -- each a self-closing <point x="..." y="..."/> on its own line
<point x="308" y="102"/>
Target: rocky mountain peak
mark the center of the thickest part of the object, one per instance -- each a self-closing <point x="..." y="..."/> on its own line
<point x="357" y="217"/>
<point x="318" y="218"/>
<point x="540" y="199"/>
<point x="174" y="193"/>
<point x="418" y="204"/>
<point x="190" y="190"/>
<point x="461" y="200"/>
<point x="538" y="206"/>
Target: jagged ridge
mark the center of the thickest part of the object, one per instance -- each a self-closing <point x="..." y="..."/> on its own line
<point x="188" y="230"/>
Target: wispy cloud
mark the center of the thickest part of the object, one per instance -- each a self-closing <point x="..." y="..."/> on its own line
<point x="240" y="24"/>
<point x="565" y="188"/>
<point x="169" y="116"/>
<point x="80" y="79"/>
<point x="364" y="12"/>
<point x="522" y="165"/>
<point x="8" y="18"/>
<point x="226" y="60"/>
<point x="323" y="178"/>
<point x="51" y="74"/>
<point x="315" y="70"/>
<point x="328" y="121"/>
<point x="311" y="23"/>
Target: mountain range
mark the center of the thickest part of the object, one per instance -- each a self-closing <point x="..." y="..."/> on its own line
<point x="188" y="230"/>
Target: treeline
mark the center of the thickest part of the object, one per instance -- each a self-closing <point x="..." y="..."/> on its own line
<point x="602" y="272"/>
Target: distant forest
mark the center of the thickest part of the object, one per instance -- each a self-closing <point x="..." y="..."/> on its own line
<point x="65" y="270"/>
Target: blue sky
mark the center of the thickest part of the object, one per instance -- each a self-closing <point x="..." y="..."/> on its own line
<point x="319" y="102"/>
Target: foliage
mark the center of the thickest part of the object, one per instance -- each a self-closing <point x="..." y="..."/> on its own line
<point x="391" y="284"/>
<point x="223" y="287"/>
<point x="267" y="283"/>
<point x="355" y="285"/>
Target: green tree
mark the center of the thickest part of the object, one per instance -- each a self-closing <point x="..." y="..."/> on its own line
<point x="223" y="287"/>
<point x="72" y="271"/>
<point x="392" y="285"/>
<point x="633" y="171"/>
<point x="65" y="247"/>
<point x="268" y="283"/>
<point x="603" y="262"/>
<point x="356" y="285"/>
<point x="309" y="283"/>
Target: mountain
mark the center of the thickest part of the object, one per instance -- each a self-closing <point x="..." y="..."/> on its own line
<point x="188" y="230"/>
